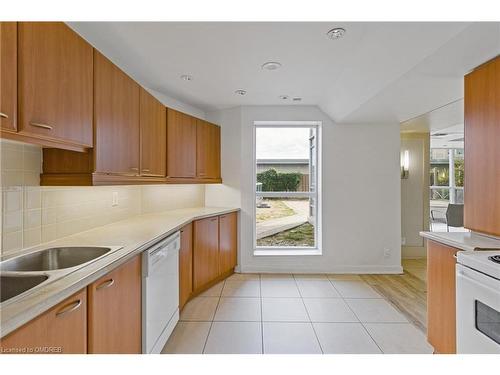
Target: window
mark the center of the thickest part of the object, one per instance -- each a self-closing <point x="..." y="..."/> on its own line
<point x="447" y="175"/>
<point x="286" y="186"/>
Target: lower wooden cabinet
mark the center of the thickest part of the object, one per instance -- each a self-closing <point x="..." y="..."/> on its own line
<point x="205" y="251"/>
<point x="215" y="241"/>
<point x="186" y="265"/>
<point x="228" y="242"/>
<point x="114" y="311"/>
<point x="62" y="329"/>
<point x="441" y="297"/>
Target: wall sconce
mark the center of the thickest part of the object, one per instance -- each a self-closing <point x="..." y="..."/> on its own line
<point x="405" y="164"/>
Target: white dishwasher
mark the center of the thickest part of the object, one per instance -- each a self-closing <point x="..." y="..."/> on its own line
<point x="160" y="293"/>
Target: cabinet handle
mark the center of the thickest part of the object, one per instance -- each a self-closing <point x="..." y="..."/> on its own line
<point x="145" y="170"/>
<point x="3" y="115"/>
<point x="214" y="219"/>
<point x="69" y="308"/>
<point x="105" y="284"/>
<point x="39" y="125"/>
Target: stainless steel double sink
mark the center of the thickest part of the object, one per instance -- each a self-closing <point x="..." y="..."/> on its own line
<point x="25" y="272"/>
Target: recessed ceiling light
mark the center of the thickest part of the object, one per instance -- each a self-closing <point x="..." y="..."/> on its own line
<point x="240" y="92"/>
<point x="271" y="65"/>
<point x="297" y="99"/>
<point x="284" y="97"/>
<point x="186" y="77"/>
<point x="336" y="33"/>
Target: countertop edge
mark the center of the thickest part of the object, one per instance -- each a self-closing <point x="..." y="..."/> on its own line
<point x="470" y="241"/>
<point x="433" y="237"/>
<point x="54" y="297"/>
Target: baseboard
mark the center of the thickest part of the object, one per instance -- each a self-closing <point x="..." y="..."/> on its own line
<point x="338" y="269"/>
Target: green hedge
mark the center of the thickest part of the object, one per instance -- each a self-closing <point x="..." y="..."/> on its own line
<point x="274" y="181"/>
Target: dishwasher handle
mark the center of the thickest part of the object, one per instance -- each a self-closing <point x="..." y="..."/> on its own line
<point x="159" y="252"/>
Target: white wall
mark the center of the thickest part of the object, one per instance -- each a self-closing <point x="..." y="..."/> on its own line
<point x="415" y="195"/>
<point x="229" y="193"/>
<point x="361" y="191"/>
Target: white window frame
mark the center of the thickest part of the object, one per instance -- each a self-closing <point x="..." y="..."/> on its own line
<point x="288" y="250"/>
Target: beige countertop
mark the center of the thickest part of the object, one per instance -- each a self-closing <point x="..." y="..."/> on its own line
<point x="468" y="241"/>
<point x="134" y="235"/>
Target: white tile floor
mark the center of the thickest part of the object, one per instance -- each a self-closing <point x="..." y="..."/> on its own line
<point x="304" y="314"/>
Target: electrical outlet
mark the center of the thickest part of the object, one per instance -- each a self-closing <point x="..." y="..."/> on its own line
<point x="387" y="253"/>
<point x="114" y="201"/>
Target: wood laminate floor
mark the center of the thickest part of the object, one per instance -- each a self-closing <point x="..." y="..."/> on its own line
<point x="407" y="292"/>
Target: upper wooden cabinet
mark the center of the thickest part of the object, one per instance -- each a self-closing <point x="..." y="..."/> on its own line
<point x="116" y="116"/>
<point x="96" y="124"/>
<point x="482" y="151"/>
<point x="205" y="252"/>
<point x="63" y="328"/>
<point x="181" y="145"/>
<point x="8" y="75"/>
<point x="54" y="83"/>
<point x="228" y="242"/>
<point x="153" y="127"/>
<point x="114" y="312"/>
<point x="207" y="150"/>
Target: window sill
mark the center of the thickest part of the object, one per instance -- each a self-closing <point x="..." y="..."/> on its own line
<point x="286" y="252"/>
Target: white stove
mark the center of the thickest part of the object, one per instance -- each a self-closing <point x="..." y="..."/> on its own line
<point x="478" y="301"/>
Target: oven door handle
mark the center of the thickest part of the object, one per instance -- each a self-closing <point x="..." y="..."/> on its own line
<point x="463" y="275"/>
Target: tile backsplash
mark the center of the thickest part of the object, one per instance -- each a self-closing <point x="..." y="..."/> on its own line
<point x="32" y="214"/>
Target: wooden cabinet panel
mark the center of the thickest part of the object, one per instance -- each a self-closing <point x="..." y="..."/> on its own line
<point x="116" y="116"/>
<point x="63" y="329"/>
<point x="153" y="125"/>
<point x="207" y="150"/>
<point x="114" y="313"/>
<point x="228" y="242"/>
<point x="441" y="297"/>
<point x="205" y="251"/>
<point x="181" y="145"/>
<point x="186" y="265"/>
<point x="482" y="151"/>
<point x="54" y="83"/>
<point x="8" y="75"/>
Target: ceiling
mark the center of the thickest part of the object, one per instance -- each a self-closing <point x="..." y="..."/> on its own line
<point x="450" y="115"/>
<point x="378" y="72"/>
<point x="450" y="137"/>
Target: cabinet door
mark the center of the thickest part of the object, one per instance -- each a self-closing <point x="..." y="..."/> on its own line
<point x="228" y="242"/>
<point x="205" y="251"/>
<point x="186" y="265"/>
<point x="63" y="329"/>
<point x="441" y="305"/>
<point x="116" y="111"/>
<point x="8" y="75"/>
<point x="181" y="145"/>
<point x="55" y="83"/>
<point x="153" y="124"/>
<point x="207" y="150"/>
<point x="115" y="310"/>
<point x="482" y="151"/>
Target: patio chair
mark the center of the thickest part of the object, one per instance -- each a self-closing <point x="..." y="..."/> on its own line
<point x="454" y="216"/>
